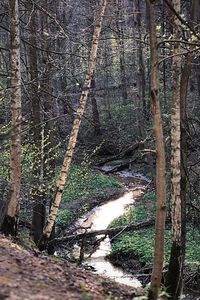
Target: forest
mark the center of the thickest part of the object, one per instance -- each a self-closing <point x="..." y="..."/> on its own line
<point x="99" y="149"/>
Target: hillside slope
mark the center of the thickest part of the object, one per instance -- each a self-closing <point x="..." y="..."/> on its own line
<point x="30" y="275"/>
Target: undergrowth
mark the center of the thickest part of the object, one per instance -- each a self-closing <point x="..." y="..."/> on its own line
<point x="85" y="183"/>
<point x="141" y="242"/>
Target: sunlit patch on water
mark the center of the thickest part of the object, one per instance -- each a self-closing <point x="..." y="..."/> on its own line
<point x="99" y="219"/>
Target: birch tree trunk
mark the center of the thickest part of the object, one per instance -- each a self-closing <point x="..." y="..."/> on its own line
<point x="160" y="160"/>
<point x="9" y="225"/>
<point x="179" y="160"/>
<point x="75" y="128"/>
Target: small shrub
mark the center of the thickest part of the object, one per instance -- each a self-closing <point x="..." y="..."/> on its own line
<point x="65" y="216"/>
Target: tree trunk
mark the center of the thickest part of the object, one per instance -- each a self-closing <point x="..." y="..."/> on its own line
<point x="174" y="276"/>
<point x="38" y="218"/>
<point x="9" y="225"/>
<point x="160" y="161"/>
<point x="184" y="126"/>
<point x="49" y="128"/>
<point x="75" y="128"/>
<point x="179" y="163"/>
<point x="164" y="69"/>
<point x="139" y="85"/>
<point x="120" y="35"/>
<point x="95" y="112"/>
<point x="109" y="231"/>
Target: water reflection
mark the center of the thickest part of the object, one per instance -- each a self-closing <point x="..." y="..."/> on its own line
<point x="99" y="219"/>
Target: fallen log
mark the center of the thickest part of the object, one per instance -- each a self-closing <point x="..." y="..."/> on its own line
<point x="125" y="153"/>
<point x="121" y="166"/>
<point x="109" y="231"/>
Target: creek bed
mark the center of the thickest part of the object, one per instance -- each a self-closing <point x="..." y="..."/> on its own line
<point x="99" y="218"/>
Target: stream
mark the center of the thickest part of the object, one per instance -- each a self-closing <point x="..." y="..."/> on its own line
<point x="99" y="218"/>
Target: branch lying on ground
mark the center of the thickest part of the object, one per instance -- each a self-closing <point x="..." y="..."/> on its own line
<point x="108" y="231"/>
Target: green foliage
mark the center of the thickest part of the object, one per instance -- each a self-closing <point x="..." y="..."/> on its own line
<point x="149" y="196"/>
<point x="64" y="217"/>
<point x="25" y="240"/>
<point x="121" y="129"/>
<point x="84" y="182"/>
<point x="135" y="214"/>
<point x="5" y="151"/>
<point x="192" y="250"/>
<point x="86" y="293"/>
<point x="141" y="242"/>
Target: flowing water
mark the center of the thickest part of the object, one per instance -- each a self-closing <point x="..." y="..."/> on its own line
<point x="100" y="218"/>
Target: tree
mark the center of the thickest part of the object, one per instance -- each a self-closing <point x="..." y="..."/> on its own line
<point x="179" y="159"/>
<point x="95" y="112"/>
<point x="9" y="225"/>
<point x="121" y="49"/>
<point x="75" y="128"/>
<point x="160" y="160"/>
<point x="38" y="218"/>
<point x="175" y="270"/>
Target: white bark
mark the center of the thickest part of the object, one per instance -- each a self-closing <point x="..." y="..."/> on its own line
<point x="76" y="124"/>
<point x="176" y="133"/>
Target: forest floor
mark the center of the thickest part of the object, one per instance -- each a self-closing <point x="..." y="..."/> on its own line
<point x="32" y="275"/>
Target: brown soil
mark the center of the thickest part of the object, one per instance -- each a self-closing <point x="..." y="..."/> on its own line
<point x="32" y="275"/>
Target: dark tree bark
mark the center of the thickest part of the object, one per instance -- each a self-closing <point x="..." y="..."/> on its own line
<point x="9" y="224"/>
<point x="38" y="218"/>
<point x="48" y="114"/>
<point x="120" y="35"/>
<point x="160" y="161"/>
<point x="95" y="112"/>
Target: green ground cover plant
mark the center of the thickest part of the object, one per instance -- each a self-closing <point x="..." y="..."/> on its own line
<point x="86" y="184"/>
<point x="141" y="242"/>
<point x="83" y="181"/>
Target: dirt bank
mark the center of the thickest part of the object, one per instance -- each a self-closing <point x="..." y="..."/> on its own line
<point x="32" y="275"/>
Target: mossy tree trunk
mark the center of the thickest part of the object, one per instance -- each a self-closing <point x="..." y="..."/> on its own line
<point x="75" y="128"/>
<point x="9" y="225"/>
<point x="160" y="160"/>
